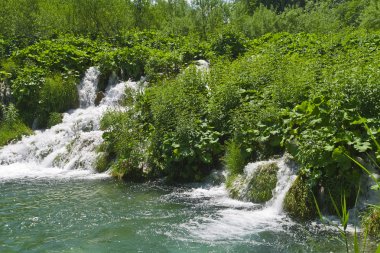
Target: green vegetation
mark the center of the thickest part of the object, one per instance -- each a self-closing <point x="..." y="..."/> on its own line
<point x="254" y="186"/>
<point x="54" y="119"/>
<point x="371" y="222"/>
<point x="234" y="159"/>
<point x="298" y="201"/>
<point x="285" y="76"/>
<point x="262" y="184"/>
<point x="11" y="127"/>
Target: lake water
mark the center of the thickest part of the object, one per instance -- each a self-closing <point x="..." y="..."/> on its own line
<point x="52" y="201"/>
<point x="103" y="215"/>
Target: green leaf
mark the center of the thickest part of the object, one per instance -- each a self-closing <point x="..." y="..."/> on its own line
<point x="359" y="121"/>
<point x="375" y="187"/>
<point x="356" y="243"/>
<point x="329" y="147"/>
<point x="175" y="145"/>
<point x="362" y="146"/>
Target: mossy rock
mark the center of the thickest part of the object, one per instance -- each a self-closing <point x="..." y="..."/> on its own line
<point x="235" y="185"/>
<point x="371" y="222"/>
<point x="299" y="201"/>
<point x="263" y="182"/>
<point x="102" y="162"/>
<point x="257" y="187"/>
<point x="55" y="118"/>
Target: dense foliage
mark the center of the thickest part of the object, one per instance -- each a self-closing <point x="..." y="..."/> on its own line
<point x="285" y="76"/>
<point x="306" y="94"/>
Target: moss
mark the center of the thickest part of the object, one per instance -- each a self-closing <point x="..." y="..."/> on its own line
<point x="14" y="131"/>
<point x="234" y="185"/>
<point x="102" y="162"/>
<point x="262" y="183"/>
<point x="256" y="188"/>
<point x="371" y="222"/>
<point x="299" y="201"/>
<point x="55" y="118"/>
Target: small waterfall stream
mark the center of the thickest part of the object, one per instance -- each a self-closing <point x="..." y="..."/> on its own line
<point x="236" y="219"/>
<point x="67" y="149"/>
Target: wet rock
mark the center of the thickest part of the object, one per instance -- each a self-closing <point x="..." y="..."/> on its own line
<point x="256" y="187"/>
<point x="262" y="183"/>
<point x="299" y="201"/>
<point x="99" y="97"/>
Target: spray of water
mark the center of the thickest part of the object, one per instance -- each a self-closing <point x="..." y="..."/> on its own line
<point x="67" y="149"/>
<point x="234" y="219"/>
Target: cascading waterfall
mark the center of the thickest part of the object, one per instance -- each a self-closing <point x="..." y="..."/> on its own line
<point x="69" y="148"/>
<point x="236" y="219"/>
<point x="87" y="88"/>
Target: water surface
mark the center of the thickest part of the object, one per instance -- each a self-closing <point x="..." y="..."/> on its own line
<point x="103" y="215"/>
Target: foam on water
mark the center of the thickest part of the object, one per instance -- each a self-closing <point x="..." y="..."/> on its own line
<point x="234" y="219"/>
<point x="69" y="148"/>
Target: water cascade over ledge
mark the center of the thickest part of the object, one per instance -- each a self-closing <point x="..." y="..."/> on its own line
<point x="239" y="218"/>
<point x="69" y="148"/>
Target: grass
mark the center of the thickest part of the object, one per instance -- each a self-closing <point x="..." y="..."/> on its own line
<point x="14" y="131"/>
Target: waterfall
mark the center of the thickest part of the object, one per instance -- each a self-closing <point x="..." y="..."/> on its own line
<point x="87" y="88"/>
<point x="285" y="178"/>
<point x="69" y="148"/>
<point x="235" y="219"/>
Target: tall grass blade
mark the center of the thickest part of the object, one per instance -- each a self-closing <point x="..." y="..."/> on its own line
<point x="317" y="207"/>
<point x="335" y="206"/>
<point x="356" y="242"/>
<point x="363" y="168"/>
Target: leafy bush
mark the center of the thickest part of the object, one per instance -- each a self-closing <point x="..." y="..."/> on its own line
<point x="124" y="145"/>
<point x="229" y="43"/>
<point x="26" y="88"/>
<point x="10" y="114"/>
<point x="58" y="94"/>
<point x="11" y="127"/>
<point x="370" y="16"/>
<point x="184" y="144"/>
<point x="162" y="64"/>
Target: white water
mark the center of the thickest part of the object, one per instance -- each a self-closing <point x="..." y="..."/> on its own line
<point x="67" y="149"/>
<point x="234" y="219"/>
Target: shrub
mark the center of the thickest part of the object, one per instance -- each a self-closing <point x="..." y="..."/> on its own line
<point x="234" y="159"/>
<point x="184" y="145"/>
<point x="11" y="127"/>
<point x="229" y="43"/>
<point x="10" y="114"/>
<point x="370" y="16"/>
<point x="58" y="94"/>
<point x="125" y="146"/>
<point x="162" y="64"/>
